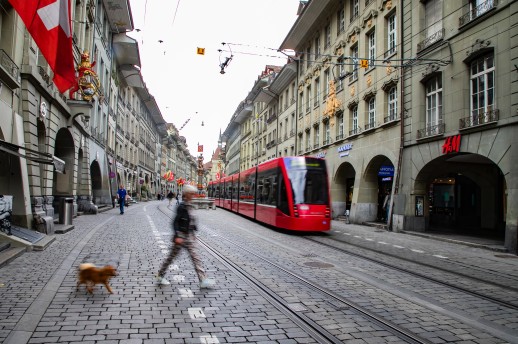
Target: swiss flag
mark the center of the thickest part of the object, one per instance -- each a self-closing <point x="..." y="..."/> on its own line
<point x="48" y="22"/>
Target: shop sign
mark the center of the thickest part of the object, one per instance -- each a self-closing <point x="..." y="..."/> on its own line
<point x="451" y="144"/>
<point x="321" y="155"/>
<point x="386" y="171"/>
<point x="345" y="149"/>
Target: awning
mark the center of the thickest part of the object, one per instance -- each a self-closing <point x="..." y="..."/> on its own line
<point x="42" y="158"/>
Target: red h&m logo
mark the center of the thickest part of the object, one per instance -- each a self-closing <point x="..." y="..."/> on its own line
<point x="451" y="144"/>
<point x="200" y="148"/>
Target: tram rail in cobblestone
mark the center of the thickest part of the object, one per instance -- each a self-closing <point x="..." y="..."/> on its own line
<point x="425" y="277"/>
<point x="317" y="332"/>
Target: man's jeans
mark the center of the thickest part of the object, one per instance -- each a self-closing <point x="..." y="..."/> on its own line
<point x="121" y="205"/>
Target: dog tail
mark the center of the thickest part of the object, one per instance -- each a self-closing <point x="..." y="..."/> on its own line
<point x="86" y="266"/>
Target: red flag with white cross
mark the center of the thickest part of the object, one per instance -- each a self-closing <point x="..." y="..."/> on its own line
<point x="48" y="22"/>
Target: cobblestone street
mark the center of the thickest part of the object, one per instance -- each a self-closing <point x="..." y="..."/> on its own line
<point x="40" y="303"/>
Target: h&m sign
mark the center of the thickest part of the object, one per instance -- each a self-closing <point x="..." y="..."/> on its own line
<point x="451" y="144"/>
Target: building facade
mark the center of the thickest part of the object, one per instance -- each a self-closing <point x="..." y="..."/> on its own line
<point x="459" y="171"/>
<point x="55" y="146"/>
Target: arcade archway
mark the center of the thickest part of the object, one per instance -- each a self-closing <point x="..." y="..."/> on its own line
<point x="343" y="188"/>
<point x="97" y="181"/>
<point x="64" y="150"/>
<point x="465" y="194"/>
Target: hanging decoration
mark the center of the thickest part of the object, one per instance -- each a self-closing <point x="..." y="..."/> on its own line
<point x="87" y="81"/>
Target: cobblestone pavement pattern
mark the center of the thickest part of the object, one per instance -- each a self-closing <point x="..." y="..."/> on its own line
<point x="39" y="302"/>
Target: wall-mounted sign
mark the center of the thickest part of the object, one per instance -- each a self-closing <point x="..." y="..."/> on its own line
<point x="321" y="155"/>
<point x="344" y="150"/>
<point x="451" y="144"/>
<point x="386" y="171"/>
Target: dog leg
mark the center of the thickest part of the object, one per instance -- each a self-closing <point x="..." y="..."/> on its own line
<point x="108" y="287"/>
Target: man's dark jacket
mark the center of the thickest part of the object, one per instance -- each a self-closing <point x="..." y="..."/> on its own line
<point x="182" y="222"/>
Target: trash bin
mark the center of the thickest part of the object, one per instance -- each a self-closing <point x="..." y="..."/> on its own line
<point x="66" y="210"/>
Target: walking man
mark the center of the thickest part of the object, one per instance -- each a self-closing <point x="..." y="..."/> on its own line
<point x="170" y="196"/>
<point x="184" y="226"/>
<point x="121" y="195"/>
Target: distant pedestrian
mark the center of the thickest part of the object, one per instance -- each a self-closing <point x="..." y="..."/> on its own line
<point x="386" y="205"/>
<point x="122" y="194"/>
<point x="177" y="198"/>
<point x="170" y="197"/>
<point x="184" y="226"/>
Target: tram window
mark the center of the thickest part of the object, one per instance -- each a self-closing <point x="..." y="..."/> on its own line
<point x="283" y="204"/>
<point x="266" y="191"/>
<point x="235" y="193"/>
<point x="309" y="186"/>
<point x="272" y="199"/>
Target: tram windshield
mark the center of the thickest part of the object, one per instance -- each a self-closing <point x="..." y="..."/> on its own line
<point x="308" y="178"/>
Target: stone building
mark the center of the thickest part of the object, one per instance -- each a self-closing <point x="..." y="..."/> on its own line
<point x="56" y="146"/>
<point x="458" y="169"/>
<point x="347" y="98"/>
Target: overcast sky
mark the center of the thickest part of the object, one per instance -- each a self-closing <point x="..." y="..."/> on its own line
<point x="187" y="85"/>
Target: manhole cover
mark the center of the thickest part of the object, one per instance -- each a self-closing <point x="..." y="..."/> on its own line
<point x="505" y="256"/>
<point x="319" y="265"/>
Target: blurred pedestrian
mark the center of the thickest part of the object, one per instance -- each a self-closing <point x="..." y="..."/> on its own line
<point x="177" y="198"/>
<point x="184" y="226"/>
<point x="386" y="205"/>
<point x="170" y="196"/>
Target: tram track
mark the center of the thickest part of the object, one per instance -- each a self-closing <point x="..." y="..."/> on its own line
<point x="425" y="277"/>
<point x="311" y="327"/>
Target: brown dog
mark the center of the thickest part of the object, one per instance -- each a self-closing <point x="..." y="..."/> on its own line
<point x="90" y="275"/>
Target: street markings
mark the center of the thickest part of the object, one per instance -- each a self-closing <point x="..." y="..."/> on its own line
<point x="382" y="243"/>
<point x="417" y="251"/>
<point x="397" y="246"/>
<point x="209" y="339"/>
<point x="178" y="278"/>
<point x="196" y="313"/>
<point x="186" y="293"/>
<point x="173" y="267"/>
<point x="438" y="256"/>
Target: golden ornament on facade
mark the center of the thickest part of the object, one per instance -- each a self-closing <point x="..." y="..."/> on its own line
<point x="369" y="23"/>
<point x="352" y="91"/>
<point x="389" y="68"/>
<point x="332" y="102"/>
<point x="388" y="6"/>
<point x="353" y="38"/>
<point x="87" y="81"/>
<point x="369" y="80"/>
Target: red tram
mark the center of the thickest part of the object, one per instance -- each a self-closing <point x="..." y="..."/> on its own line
<point x="290" y="193"/>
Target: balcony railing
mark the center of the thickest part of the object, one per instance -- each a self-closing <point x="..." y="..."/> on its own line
<point x="390" y="52"/>
<point x="479" y="119"/>
<point x="431" y="130"/>
<point x="339" y="137"/>
<point x="355" y="131"/>
<point x="370" y="125"/>
<point x="433" y="38"/>
<point x="475" y="12"/>
<point x="326" y="142"/>
<point x="316" y="146"/>
<point x="390" y="118"/>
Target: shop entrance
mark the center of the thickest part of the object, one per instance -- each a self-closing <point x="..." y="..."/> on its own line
<point x="385" y="179"/>
<point x="465" y="195"/>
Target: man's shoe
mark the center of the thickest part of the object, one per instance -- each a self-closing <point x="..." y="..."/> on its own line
<point x="162" y="281"/>
<point x="206" y="283"/>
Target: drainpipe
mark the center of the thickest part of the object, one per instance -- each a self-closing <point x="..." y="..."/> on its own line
<point x="395" y="184"/>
